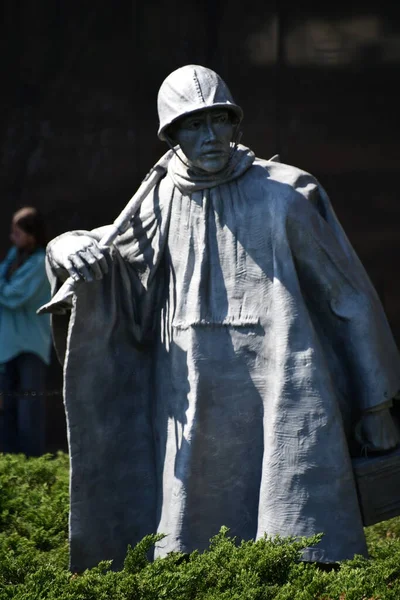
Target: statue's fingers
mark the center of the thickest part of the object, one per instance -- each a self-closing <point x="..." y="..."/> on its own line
<point x="93" y="264"/>
<point x="101" y="255"/>
<point x="390" y="436"/>
<point x="72" y="270"/>
<point x="81" y="267"/>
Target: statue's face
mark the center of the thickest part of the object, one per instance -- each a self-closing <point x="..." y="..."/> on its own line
<point x="205" y="137"/>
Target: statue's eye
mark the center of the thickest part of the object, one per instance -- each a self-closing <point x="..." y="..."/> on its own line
<point x="193" y="125"/>
<point x="190" y="124"/>
<point x="221" y="118"/>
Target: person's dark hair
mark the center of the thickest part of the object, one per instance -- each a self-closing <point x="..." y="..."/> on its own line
<point x="31" y="220"/>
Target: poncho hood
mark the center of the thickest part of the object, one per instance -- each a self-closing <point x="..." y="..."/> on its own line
<point x="189" y="89"/>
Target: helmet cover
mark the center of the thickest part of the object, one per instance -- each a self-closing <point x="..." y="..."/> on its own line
<point x="189" y="89"/>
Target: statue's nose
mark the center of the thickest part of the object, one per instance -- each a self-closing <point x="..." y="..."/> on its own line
<point x="209" y="129"/>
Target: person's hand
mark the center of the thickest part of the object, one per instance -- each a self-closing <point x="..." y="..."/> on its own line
<point x="79" y="255"/>
<point x="377" y="431"/>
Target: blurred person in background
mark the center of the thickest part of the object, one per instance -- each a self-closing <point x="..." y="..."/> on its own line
<point x="25" y="337"/>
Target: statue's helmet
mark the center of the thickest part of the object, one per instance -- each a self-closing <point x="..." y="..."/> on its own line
<point x="189" y="89"/>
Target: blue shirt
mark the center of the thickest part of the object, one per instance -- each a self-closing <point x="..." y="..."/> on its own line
<point x="21" y="329"/>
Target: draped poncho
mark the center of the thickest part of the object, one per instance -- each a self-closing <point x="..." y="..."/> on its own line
<point x="213" y="376"/>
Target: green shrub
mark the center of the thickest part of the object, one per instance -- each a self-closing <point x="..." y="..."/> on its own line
<point x="34" y="555"/>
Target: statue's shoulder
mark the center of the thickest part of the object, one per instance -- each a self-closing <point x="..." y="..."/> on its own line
<point x="275" y="170"/>
<point x="281" y="183"/>
<point x="157" y="202"/>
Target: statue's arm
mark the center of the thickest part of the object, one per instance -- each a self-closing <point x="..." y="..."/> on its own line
<point x="332" y="278"/>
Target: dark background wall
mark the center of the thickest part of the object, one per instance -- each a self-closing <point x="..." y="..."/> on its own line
<point x="319" y="86"/>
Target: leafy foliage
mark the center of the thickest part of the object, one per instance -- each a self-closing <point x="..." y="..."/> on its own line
<point x="34" y="555"/>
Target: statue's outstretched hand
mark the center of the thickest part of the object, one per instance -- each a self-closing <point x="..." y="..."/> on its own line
<point x="377" y="431"/>
<point x="80" y="255"/>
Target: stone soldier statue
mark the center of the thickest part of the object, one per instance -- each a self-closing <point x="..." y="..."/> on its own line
<point x="223" y="353"/>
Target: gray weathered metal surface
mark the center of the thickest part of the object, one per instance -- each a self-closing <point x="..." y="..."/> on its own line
<point x="378" y="483"/>
<point x="213" y="375"/>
